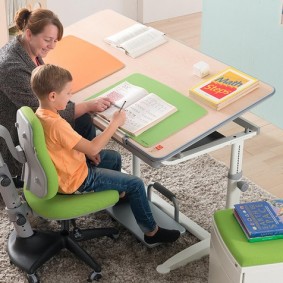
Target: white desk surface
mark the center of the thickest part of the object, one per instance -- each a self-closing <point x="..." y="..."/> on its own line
<point x="172" y="64"/>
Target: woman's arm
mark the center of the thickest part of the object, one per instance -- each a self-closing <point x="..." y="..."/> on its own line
<point x="94" y="105"/>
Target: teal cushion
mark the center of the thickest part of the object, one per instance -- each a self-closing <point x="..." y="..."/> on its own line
<point x="244" y="252"/>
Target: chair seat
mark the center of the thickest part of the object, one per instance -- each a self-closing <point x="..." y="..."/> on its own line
<point x="244" y="252"/>
<point x="63" y="207"/>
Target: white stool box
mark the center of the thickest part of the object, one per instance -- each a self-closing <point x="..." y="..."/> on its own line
<point x="234" y="260"/>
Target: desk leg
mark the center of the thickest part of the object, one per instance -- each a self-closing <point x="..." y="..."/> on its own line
<point x="191" y="253"/>
<point x="136" y="166"/>
<point x="235" y="174"/>
<point x="202" y="248"/>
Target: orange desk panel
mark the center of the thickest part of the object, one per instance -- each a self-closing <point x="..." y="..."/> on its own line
<point x="86" y="62"/>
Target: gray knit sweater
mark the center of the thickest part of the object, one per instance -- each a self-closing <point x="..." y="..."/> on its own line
<point x="15" y="91"/>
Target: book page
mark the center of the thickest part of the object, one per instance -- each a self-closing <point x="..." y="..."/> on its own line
<point x="146" y="112"/>
<point x="120" y="93"/>
<point x="143" y="42"/>
<point x="126" y="34"/>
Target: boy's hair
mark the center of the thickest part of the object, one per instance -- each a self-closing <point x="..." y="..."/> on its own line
<point x="47" y="78"/>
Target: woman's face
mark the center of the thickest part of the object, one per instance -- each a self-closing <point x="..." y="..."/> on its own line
<point x="40" y="44"/>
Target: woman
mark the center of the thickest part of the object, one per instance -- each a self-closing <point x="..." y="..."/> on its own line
<point x="39" y="31"/>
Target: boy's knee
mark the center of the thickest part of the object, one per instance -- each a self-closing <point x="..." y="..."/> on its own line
<point x="139" y="184"/>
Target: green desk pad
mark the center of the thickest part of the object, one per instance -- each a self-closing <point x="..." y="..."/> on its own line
<point x="188" y="111"/>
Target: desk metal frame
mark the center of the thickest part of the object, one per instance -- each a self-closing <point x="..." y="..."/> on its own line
<point x="201" y="248"/>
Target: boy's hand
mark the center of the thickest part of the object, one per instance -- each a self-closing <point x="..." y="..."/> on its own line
<point x="95" y="158"/>
<point x="119" y="118"/>
<point x="99" y="104"/>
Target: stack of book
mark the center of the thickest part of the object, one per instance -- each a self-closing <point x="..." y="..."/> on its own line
<point x="224" y="88"/>
<point x="260" y="220"/>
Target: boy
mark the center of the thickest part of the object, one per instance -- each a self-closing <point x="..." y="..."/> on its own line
<point x="52" y="86"/>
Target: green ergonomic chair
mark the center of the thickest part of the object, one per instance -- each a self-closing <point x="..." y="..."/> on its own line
<point x="27" y="248"/>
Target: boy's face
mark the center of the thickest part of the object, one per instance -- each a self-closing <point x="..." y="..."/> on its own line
<point x="63" y="97"/>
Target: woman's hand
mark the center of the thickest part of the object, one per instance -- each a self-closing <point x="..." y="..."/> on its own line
<point x="92" y="106"/>
<point x="99" y="104"/>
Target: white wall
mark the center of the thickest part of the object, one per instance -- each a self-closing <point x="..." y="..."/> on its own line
<point x="144" y="11"/>
<point x="70" y="11"/>
<point x="249" y="36"/>
<point x="4" y="35"/>
<point x="155" y="10"/>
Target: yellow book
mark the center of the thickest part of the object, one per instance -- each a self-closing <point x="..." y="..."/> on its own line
<point x="224" y="88"/>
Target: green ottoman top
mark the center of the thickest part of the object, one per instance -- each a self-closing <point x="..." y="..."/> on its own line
<point x="246" y="253"/>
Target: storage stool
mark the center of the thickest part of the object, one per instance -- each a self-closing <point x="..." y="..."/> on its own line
<point x="233" y="259"/>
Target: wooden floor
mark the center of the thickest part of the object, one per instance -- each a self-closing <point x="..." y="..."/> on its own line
<point x="263" y="154"/>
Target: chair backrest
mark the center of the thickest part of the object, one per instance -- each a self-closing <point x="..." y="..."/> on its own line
<point x="40" y="175"/>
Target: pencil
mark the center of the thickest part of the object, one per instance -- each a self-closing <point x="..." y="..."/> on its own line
<point x="122" y="106"/>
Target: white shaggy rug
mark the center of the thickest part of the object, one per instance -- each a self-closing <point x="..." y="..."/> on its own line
<point x="200" y="186"/>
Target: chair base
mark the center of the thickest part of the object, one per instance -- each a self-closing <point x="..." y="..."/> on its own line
<point x="31" y="253"/>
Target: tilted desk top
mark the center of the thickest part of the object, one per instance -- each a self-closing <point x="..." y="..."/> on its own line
<point x="171" y="64"/>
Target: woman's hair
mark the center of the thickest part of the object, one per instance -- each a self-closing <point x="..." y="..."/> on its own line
<point x="47" y="78"/>
<point x="37" y="20"/>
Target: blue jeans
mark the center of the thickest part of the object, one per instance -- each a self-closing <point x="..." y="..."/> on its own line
<point x="107" y="176"/>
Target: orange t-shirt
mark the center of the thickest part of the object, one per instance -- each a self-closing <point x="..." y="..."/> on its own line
<point x="60" y="139"/>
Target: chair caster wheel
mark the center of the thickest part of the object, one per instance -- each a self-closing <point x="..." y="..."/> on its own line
<point x="94" y="276"/>
<point x="32" y="278"/>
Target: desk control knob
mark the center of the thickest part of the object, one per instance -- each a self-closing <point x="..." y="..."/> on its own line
<point x="243" y="186"/>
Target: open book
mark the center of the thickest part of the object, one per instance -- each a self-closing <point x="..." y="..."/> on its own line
<point x="137" y="39"/>
<point x="143" y="109"/>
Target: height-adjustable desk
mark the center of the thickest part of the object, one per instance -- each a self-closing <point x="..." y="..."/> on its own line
<point x="172" y="64"/>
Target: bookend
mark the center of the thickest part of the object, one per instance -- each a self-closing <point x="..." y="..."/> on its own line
<point x="122" y="213"/>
